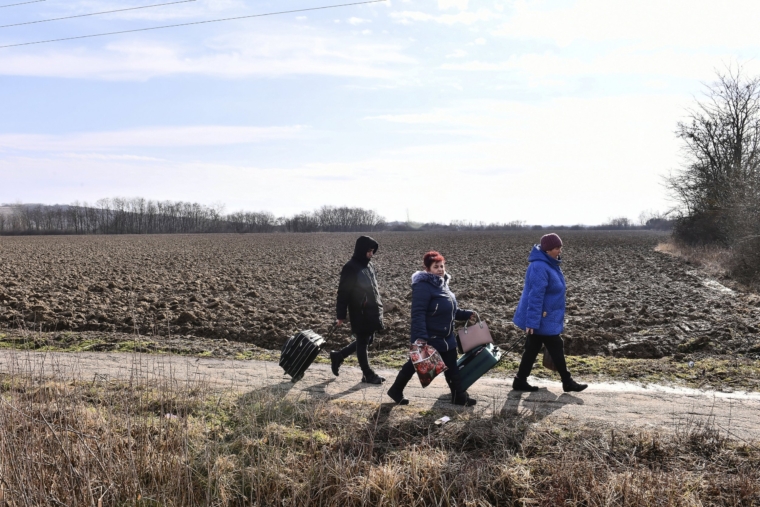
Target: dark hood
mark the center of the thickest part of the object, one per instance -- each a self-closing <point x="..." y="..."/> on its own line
<point x="363" y="245"/>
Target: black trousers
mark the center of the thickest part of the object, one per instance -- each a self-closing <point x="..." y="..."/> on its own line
<point x="360" y="347"/>
<point x="554" y="345"/>
<point x="452" y="373"/>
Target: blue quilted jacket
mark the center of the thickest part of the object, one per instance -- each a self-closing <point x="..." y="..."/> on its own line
<point x="434" y="310"/>
<point x="542" y="304"/>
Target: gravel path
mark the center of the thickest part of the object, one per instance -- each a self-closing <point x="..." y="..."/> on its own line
<point x="621" y="404"/>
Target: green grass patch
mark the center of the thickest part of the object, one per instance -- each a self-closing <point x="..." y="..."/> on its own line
<point x="137" y="346"/>
<point x="84" y="346"/>
<point x="719" y="373"/>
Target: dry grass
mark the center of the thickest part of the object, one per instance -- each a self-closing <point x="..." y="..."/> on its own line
<point x="739" y="263"/>
<point x="75" y="442"/>
<point x="714" y="260"/>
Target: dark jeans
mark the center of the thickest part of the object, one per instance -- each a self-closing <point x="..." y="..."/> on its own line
<point x="360" y="347"/>
<point x="452" y="374"/>
<point x="554" y="345"/>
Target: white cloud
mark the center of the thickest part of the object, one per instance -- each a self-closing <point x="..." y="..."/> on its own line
<point x="594" y="158"/>
<point x="231" y="55"/>
<point x="608" y="153"/>
<point x="358" y="21"/>
<point x="459" y="53"/>
<point x="480" y="41"/>
<point x="463" y="17"/>
<point x="412" y="16"/>
<point x="210" y="135"/>
<point x="667" y="63"/>
<point x="651" y="23"/>
<point x="448" y="4"/>
<point x="190" y="11"/>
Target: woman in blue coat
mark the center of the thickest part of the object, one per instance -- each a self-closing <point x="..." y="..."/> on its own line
<point x="434" y="310"/>
<point x="541" y="313"/>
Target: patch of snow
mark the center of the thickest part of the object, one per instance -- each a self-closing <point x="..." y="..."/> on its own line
<point x="685" y="391"/>
<point x="712" y="284"/>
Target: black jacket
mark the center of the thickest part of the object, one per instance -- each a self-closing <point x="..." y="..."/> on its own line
<point x="358" y="295"/>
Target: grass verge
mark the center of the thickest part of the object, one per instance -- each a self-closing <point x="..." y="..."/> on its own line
<point x="160" y="442"/>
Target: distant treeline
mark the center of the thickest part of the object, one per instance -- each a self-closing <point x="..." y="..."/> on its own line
<point x="647" y="221"/>
<point x="145" y="216"/>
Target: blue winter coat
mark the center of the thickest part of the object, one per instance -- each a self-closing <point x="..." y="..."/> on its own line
<point x="434" y="310"/>
<point x="542" y="304"/>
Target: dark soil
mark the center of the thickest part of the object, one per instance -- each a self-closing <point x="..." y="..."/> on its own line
<point x="624" y="298"/>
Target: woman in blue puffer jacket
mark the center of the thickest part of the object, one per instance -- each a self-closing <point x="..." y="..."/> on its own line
<point x="541" y="313"/>
<point x="434" y="310"/>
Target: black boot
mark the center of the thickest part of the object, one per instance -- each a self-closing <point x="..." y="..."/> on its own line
<point x="519" y="384"/>
<point x="458" y="395"/>
<point x="396" y="392"/>
<point x="335" y="361"/>
<point x="369" y="376"/>
<point x="571" y="385"/>
<point x="462" y="398"/>
<point x="397" y="395"/>
<point x="372" y="378"/>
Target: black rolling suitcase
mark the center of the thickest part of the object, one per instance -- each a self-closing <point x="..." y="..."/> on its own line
<point x="299" y="352"/>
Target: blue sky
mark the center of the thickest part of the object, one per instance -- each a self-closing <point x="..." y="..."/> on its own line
<point x="557" y="112"/>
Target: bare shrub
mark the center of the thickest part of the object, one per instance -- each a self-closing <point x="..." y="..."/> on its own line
<point x="717" y="189"/>
<point x="719" y="186"/>
<point x="745" y="261"/>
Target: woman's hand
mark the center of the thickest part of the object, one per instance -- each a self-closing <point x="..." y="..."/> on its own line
<point x="473" y="318"/>
<point x="529" y="330"/>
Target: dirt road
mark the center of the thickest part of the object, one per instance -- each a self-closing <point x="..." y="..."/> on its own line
<point x="621" y="404"/>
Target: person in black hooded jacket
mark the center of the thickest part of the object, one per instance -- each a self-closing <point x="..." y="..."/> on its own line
<point x="359" y="299"/>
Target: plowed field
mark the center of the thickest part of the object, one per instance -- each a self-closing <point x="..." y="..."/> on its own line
<point x="624" y="298"/>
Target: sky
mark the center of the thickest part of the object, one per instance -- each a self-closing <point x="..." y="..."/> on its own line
<point x="549" y="112"/>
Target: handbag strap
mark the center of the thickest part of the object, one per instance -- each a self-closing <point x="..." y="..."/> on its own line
<point x="480" y="322"/>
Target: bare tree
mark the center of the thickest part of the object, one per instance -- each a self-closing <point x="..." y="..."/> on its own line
<point x="142" y="216"/>
<point x="721" y="175"/>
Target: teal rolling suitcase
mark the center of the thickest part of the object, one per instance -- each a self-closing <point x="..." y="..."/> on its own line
<point x="476" y="362"/>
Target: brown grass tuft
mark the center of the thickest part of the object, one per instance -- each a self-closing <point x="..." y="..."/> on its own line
<point x="78" y="442"/>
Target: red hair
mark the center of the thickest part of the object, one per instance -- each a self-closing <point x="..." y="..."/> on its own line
<point x="431" y="257"/>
